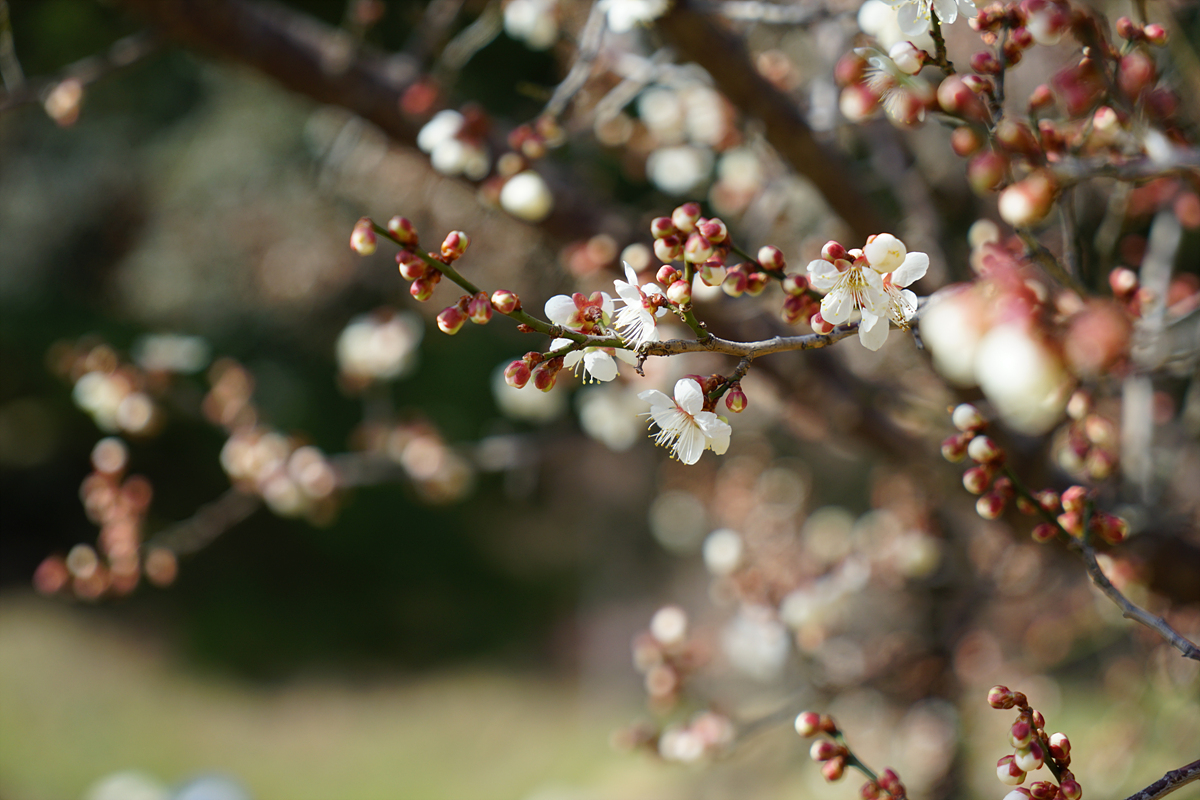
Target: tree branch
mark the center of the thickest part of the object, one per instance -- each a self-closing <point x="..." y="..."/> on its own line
<point x="1175" y="779"/>
<point x="778" y="344"/>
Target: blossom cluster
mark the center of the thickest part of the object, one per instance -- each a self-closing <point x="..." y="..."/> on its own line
<point x="1033" y="749"/>
<point x="832" y="753"/>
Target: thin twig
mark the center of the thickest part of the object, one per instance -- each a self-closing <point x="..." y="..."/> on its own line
<point x="778" y="344"/>
<point x="209" y="522"/>
<point x="589" y="47"/>
<point x="1069" y="171"/>
<point x="1175" y="779"/>
<point x="1070" y="234"/>
<point x="765" y="13"/>
<point x="1040" y="253"/>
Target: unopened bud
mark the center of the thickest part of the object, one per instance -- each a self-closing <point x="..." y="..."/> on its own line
<point x="819" y="324"/>
<point x="451" y="320"/>
<point x="422" y="288"/>
<point x="833" y="251"/>
<point x="1044" y="532"/>
<point x="505" y="301"/>
<point x="1136" y="72"/>
<point x="661" y="227"/>
<point x="771" y="257"/>
<point x="976" y="480"/>
<point x="1000" y="697"/>
<point x="712" y="273"/>
<point x="668" y="248"/>
<point x="990" y="505"/>
<point x="1127" y="29"/>
<point x="1156" y="35"/>
<point x="983" y="450"/>
<point x="1074" y="499"/>
<point x="1043" y="790"/>
<point x="697" y="249"/>
<point x="870" y="791"/>
<point x="954" y="448"/>
<point x="1021" y="733"/>
<point x="479" y="309"/>
<point x="956" y="97"/>
<point x="411" y="266"/>
<point x="454" y="245"/>
<point x="986" y="171"/>
<point x="1028" y="201"/>
<point x="823" y="750"/>
<point x="796" y="284"/>
<point x="907" y="57"/>
<point x="1008" y="772"/>
<point x="1016" y="137"/>
<point x="966" y="141"/>
<point x="362" y="238"/>
<point x="1070" y="789"/>
<point x="403" y="230"/>
<point x="1124" y="282"/>
<point x="966" y="417"/>
<point x="1041" y="97"/>
<point x="667" y="275"/>
<point x="735" y="399"/>
<point x="1030" y="757"/>
<point x="985" y="63"/>
<point x="834" y="768"/>
<point x="680" y="293"/>
<point x="794" y="308"/>
<point x="889" y="781"/>
<point x="808" y="723"/>
<point x="517" y="374"/>
<point x="1110" y="528"/>
<point x="684" y="217"/>
<point x="1017" y="794"/>
<point x="1060" y="746"/>
<point x="734" y="283"/>
<point x="714" y="230"/>
<point x="546" y="373"/>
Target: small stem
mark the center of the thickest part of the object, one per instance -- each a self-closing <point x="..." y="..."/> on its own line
<point x="1070" y="237"/>
<point x="1003" y="58"/>
<point x="935" y="31"/>
<point x="1175" y="779"/>
<point x="1038" y="251"/>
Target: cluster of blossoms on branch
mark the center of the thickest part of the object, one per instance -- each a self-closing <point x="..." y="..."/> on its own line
<point x="834" y="755"/>
<point x="1033" y="749"/>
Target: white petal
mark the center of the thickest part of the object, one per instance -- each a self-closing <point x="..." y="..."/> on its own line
<point x="911" y="21"/>
<point x="872" y="331"/>
<point x="873" y="296"/>
<point x="557" y="343"/>
<point x="716" y="430"/>
<point x="655" y="398"/>
<point x="628" y="356"/>
<point x="690" y="444"/>
<point x="606" y="304"/>
<point x="968" y="8"/>
<point x="600" y="365"/>
<point x="688" y="396"/>
<point x="947" y="10"/>
<point x="913" y="269"/>
<point x="836" y="306"/>
<point x="572" y="358"/>
<point x="907" y="306"/>
<point x="823" y="274"/>
<point x="560" y="309"/>
<point x="630" y="275"/>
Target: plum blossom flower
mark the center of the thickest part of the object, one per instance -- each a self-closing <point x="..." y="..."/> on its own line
<point x="597" y="362"/>
<point x="579" y="313"/>
<point x="625" y="15"/>
<point x="901" y="92"/>
<point x="636" y="322"/>
<point x="684" y="425"/>
<point x="915" y="17"/>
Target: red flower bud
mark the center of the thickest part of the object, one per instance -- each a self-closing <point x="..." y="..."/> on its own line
<point x="834" y="768"/>
<point x="957" y="98"/>
<point x="808" y="723"/>
<point x="454" y="245"/>
<point x="986" y="171"/>
<point x="479" y="309"/>
<point x="697" y="249"/>
<point x="667" y="275"/>
<point x="422" y="288"/>
<point x="1000" y="697"/>
<point x="713" y="229"/>
<point x="819" y="325"/>
<point x="517" y="374"/>
<point x="735" y="399"/>
<point x="990" y="505"/>
<point x="403" y="230"/>
<point x="1044" y="532"/>
<point x="680" y="292"/>
<point x="685" y="217"/>
<point x="661" y="227"/>
<point x="1028" y="201"/>
<point x="505" y="301"/>
<point x="771" y="257"/>
<point x="976" y="480"/>
<point x="362" y="238"/>
<point x="668" y="248"/>
<point x="451" y="320"/>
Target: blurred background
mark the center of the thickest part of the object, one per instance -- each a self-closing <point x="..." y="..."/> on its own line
<point x="369" y="570"/>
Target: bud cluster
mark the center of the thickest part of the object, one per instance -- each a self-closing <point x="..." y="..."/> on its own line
<point x="1031" y="750"/>
<point x="832" y="753"/>
<point x="666" y="655"/>
<point x="1088" y="446"/>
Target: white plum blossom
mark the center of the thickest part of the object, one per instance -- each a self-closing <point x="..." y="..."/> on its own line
<point x="597" y="362"/>
<point x="580" y="313"/>
<point x="915" y="18"/>
<point x="625" y="15"/>
<point x="684" y="425"/>
<point x="636" y="322"/>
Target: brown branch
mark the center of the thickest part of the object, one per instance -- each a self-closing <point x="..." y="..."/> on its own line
<point x="210" y="521"/>
<point x="1070" y="171"/>
<point x="751" y="350"/>
<point x="698" y="38"/>
<point x="1175" y="779"/>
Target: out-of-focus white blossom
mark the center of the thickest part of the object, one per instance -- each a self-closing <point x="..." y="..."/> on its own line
<point x="625" y="15"/>
<point x="608" y="414"/>
<point x="1024" y="379"/>
<point x="171" y="352"/>
<point x="951" y="329"/>
<point x="449" y="154"/>
<point x="679" y="170"/>
<point x="756" y="643"/>
<point x="373" y="347"/>
<point x="534" y="22"/>
<point x="723" y="551"/>
<point x="526" y="196"/>
<point x="915" y="16"/>
<point x="669" y="625"/>
<point x="880" y="20"/>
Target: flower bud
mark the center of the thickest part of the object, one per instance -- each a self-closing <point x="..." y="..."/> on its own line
<point x="1041" y="97"/>
<point x="957" y="98"/>
<point x="680" y="292"/>
<point x="1030" y="757"/>
<point x="735" y="399"/>
<point x="1021" y="733"/>
<point x="1110" y="528"/>
<point x="479" y="309"/>
<point x="662" y="227"/>
<point x="983" y="450"/>
<point x="1028" y="201"/>
<point x="794" y="308"/>
<point x="734" y="283"/>
<point x="976" y="480"/>
<point x="1060" y="746"/>
<point x="1000" y="697"/>
<point x="454" y="245"/>
<point x="966" y="417"/>
<point x="906" y="106"/>
<point x="1136" y="72"/>
<point x="823" y="750"/>
<point x="713" y="229"/>
<point x="422" y="288"/>
<point x="907" y="57"/>
<point x="857" y="102"/>
<point x="1070" y="789"/>
<point x="1021" y="37"/>
<point x="819" y="325"/>
<point x="517" y="374"/>
<point x="1016" y="137"/>
<point x="1044" y="532"/>
<point x="546" y="373"/>
<point x="1017" y="794"/>
<point x="756" y="282"/>
<point x="808" y="723"/>
<point x="1008" y="772"/>
<point x="834" y="768"/>
<point x="965" y="141"/>
<point x="796" y="284"/>
<point x="451" y="320"/>
<point x="771" y="257"/>
<point x="986" y="171"/>
<point x="712" y="273"/>
<point x="870" y="791"/>
<point x="1039" y="721"/>
<point x="403" y="230"/>
<point x="667" y="275"/>
<point x="411" y="266"/>
<point x="1043" y="790"/>
<point x="505" y="301"/>
<point x="1127" y="29"/>
<point x="1074" y="499"/>
<point x="1156" y="35"/>
<point x="986" y="63"/>
<point x="1124" y="282"/>
<point x="850" y="69"/>
<point x="362" y="238"/>
<point x="954" y="448"/>
<point x="697" y="249"/>
<point x="889" y="781"/>
<point x="668" y="248"/>
<point x="990" y="505"/>
<point x="685" y="216"/>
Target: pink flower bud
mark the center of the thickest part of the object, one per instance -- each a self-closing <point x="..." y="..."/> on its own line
<point x="1043" y="790"/>
<point x="362" y="238"/>
<point x="1060" y="746"/>
<point x="976" y="480"/>
<point x="983" y="450"/>
<point x="986" y="171"/>
<point x="850" y="69"/>
<point x="403" y="230"/>
<point x="411" y="266"/>
<point x="1070" y="789"/>
<point x="954" y="448"/>
<point x="808" y="723"/>
<point x="735" y="399"/>
<point x="451" y="320"/>
<point x="1039" y="721"/>
<point x="712" y="273"/>
<point x="454" y="245"/>
<point x="1030" y="757"/>
<point x="986" y="63"/>
<point x="546" y="373"/>
<point x="517" y="374"/>
<point x="857" y="102"/>
<point x="990" y="505"/>
<point x="685" y="217"/>
<point x="1008" y="772"/>
<point x="771" y="258"/>
<point x="1041" y="97"/>
<point x="1156" y="35"/>
<point x="422" y="288"/>
<point x="680" y="292"/>
<point x="965" y="141"/>
<point x="1021" y="733"/>
<point x="1016" y="137"/>
<point x="697" y="249"/>
<point x="668" y="248"/>
<point x="819" y="325"/>
<point x="889" y="781"/>
<point x="1074" y="498"/>
<point x="479" y="309"/>
<point x="1136" y="73"/>
<point x="1127" y="29"/>
<point x="662" y="227"/>
<point x="833" y="251"/>
<point x="834" y="768"/>
<point x="796" y="284"/>
<point x="956" y="98"/>
<point x="1021" y="37"/>
<point x="1110" y="528"/>
<point x="869" y="791"/>
<point x="1028" y="201"/>
<point x="1124" y="282"/>
<point x="1000" y="697"/>
<point x="1044" y="532"/>
<point x="505" y="301"/>
<point x="667" y="275"/>
<point x="794" y="308"/>
<point x="1071" y="522"/>
<point x="713" y="229"/>
<point x="966" y="417"/>
<point x="734" y="283"/>
<point x="823" y="750"/>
